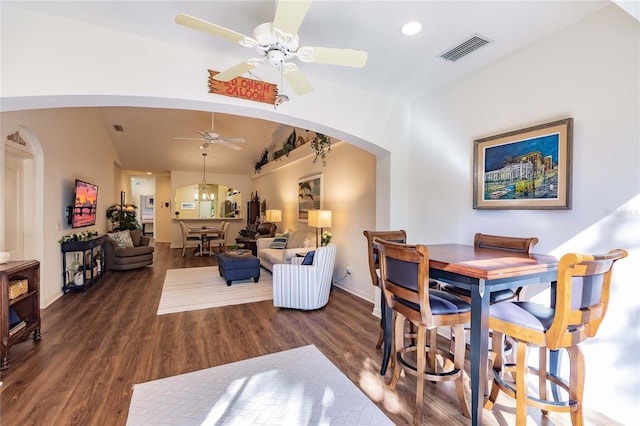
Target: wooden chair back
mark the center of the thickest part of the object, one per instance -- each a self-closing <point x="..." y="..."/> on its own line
<point x="404" y="275"/>
<point x="582" y="297"/>
<point x="399" y="236"/>
<point x="498" y="242"/>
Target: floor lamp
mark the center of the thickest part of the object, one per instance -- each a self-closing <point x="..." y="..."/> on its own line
<point x="319" y="219"/>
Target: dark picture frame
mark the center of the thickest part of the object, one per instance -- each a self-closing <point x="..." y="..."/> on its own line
<point x="527" y="169"/>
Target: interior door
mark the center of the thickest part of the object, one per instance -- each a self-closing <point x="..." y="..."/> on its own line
<point x="14" y="206"/>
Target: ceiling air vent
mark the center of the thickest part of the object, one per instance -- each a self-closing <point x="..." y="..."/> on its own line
<point x="463" y="49"/>
<point x="118" y="127"/>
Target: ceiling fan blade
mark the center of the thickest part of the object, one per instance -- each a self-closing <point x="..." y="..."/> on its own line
<point x="298" y="81"/>
<point x="290" y="14"/>
<point x="208" y="27"/>
<point x="234" y="140"/>
<point x="233" y="72"/>
<point x="333" y="56"/>
<point x="228" y="145"/>
<point x="188" y="139"/>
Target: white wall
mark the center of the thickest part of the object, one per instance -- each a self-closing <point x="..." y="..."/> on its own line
<point x="75" y="144"/>
<point x="348" y="191"/>
<point x="589" y="71"/>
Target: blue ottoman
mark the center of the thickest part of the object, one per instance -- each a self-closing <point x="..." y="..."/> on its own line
<point x="234" y="268"/>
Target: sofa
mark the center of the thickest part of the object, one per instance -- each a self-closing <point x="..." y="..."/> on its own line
<point x="126" y="250"/>
<point x="297" y="242"/>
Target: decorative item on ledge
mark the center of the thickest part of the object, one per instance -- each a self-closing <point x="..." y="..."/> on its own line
<point x="79" y="236"/>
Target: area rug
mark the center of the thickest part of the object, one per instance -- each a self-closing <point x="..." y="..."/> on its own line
<point x="189" y="289"/>
<point x="295" y="387"/>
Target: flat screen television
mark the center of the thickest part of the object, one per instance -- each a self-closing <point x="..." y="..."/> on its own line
<point x="85" y="204"/>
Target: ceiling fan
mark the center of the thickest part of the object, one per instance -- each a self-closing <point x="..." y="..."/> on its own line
<point x="211" y="138"/>
<point x="277" y="42"/>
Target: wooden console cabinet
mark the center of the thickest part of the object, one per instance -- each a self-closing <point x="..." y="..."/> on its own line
<point x="25" y="305"/>
<point x="92" y="267"/>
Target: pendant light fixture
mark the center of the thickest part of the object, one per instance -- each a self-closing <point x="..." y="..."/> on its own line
<point x="203" y="193"/>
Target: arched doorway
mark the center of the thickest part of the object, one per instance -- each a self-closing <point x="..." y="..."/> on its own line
<point x="22" y="215"/>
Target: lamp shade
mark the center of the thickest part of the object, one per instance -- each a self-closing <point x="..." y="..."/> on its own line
<point x="274" y="215"/>
<point x="320" y="218"/>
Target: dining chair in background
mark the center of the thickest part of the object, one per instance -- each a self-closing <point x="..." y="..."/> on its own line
<point x="187" y="240"/>
<point x="497" y="242"/>
<point x="404" y="274"/>
<point x="221" y="241"/>
<point x="581" y="301"/>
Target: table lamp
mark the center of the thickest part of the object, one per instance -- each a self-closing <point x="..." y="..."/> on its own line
<point x="273" y="216"/>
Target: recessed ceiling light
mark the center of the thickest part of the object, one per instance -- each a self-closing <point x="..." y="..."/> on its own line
<point x="411" y="28"/>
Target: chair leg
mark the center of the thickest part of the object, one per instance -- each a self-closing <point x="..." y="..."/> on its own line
<point x="576" y="383"/>
<point x="399" y="345"/>
<point x="542" y="376"/>
<point x="458" y="363"/>
<point x="421" y="356"/>
<point x="380" y="337"/>
<point x="498" y="364"/>
<point x="521" y="385"/>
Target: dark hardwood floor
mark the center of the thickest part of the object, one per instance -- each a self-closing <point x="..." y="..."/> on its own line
<point x="96" y="345"/>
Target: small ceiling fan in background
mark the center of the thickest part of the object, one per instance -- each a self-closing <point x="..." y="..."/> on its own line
<point x="210" y="138"/>
<point x="277" y="42"/>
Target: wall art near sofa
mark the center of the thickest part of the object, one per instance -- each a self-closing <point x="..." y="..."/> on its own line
<point x="524" y="169"/>
<point x="309" y="195"/>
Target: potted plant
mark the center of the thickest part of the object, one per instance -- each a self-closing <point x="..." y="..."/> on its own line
<point x="122" y="217"/>
<point x="322" y="146"/>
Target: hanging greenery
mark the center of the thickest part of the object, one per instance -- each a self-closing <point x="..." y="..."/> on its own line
<point x="322" y="145"/>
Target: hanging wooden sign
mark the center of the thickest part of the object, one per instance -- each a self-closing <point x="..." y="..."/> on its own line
<point x="245" y="88"/>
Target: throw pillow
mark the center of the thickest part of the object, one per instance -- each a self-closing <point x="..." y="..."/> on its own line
<point x="296" y="240"/>
<point x="122" y="239"/>
<point x="308" y="258"/>
<point x="279" y="242"/>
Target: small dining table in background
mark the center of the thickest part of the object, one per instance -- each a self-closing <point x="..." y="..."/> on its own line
<point x="203" y="233"/>
<point x="482" y="271"/>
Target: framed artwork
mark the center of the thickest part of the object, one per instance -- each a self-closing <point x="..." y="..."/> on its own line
<point x="187" y="206"/>
<point x="149" y="202"/>
<point x="309" y="195"/>
<point x="524" y="169"/>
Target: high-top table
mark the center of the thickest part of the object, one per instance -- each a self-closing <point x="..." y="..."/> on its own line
<point x="482" y="271"/>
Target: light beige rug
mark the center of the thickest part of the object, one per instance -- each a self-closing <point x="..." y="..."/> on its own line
<point x="295" y="387"/>
<point x="189" y="289"/>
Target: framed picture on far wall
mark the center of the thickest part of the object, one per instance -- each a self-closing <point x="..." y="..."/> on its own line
<point x="309" y="195"/>
<point x="524" y="169"/>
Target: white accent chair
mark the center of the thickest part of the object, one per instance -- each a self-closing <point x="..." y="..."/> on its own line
<point x="304" y="287"/>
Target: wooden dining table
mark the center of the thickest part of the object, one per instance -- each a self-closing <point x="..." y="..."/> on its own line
<point x="482" y="271"/>
<point x="204" y="233"/>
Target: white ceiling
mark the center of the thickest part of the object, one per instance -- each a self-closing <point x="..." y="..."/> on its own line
<point x="404" y="66"/>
